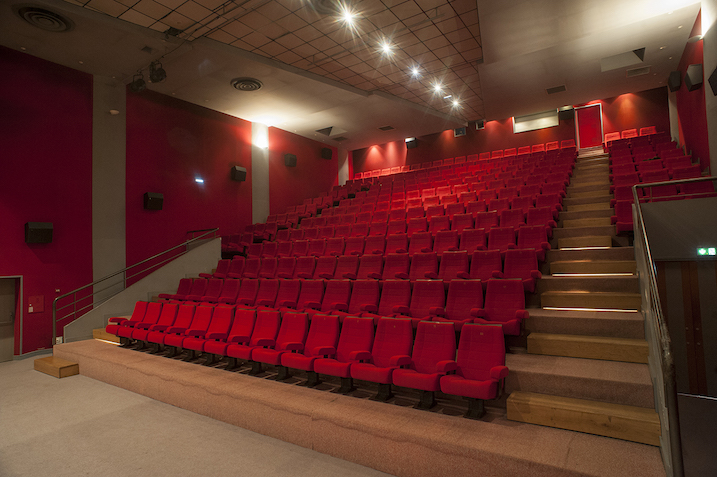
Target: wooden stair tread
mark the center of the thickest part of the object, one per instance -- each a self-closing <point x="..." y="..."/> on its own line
<point x="613" y="253"/>
<point x="591" y="347"/>
<point x="589" y="323"/>
<point x="627" y="284"/>
<point x="594" y="231"/>
<point x="593" y="266"/>
<point x="592" y="206"/>
<point x="585" y="241"/>
<point x="57" y="367"/>
<point x="629" y="423"/>
<point x="101" y="334"/>
<point x="587" y="222"/>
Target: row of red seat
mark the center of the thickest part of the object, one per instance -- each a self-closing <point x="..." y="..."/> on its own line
<point x="352" y="350"/>
<point x="648" y="133"/>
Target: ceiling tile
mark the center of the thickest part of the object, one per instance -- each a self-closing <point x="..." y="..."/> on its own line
<point x="425" y="58"/>
<point x="273" y="48"/>
<point x="290" y="41"/>
<point x="344" y="73"/>
<point x="305" y="50"/>
<point x="137" y="18"/>
<point x="171" y="3"/>
<point x="237" y="29"/>
<point x="211" y="4"/>
<point x="222" y="36"/>
<point x="256" y="39"/>
<point x="473" y="55"/>
<point x="331" y="66"/>
<point x="452" y="60"/>
<point x="437" y="42"/>
<point x="308" y="33"/>
<point x="383" y="19"/>
<point x="159" y="26"/>
<point x="470" y="18"/>
<point x="152" y="9"/>
<point x="427" y="32"/>
<point x="178" y="21"/>
<point x="308" y="14"/>
<point x="406" y="10"/>
<point x="428" y="4"/>
<point x="447" y="26"/>
<point x="349" y="60"/>
<point x="417" y="49"/>
<point x="272" y="31"/>
<point x="110" y="7"/>
<point x="288" y="57"/>
<point x="254" y="20"/>
<point x="323" y="43"/>
<point x="361" y="68"/>
<point x="335" y="52"/>
<point x="291" y="22"/>
<point x="194" y="11"/>
<point x="302" y="63"/>
<point x="444" y="51"/>
<point x="365" y="85"/>
<point x="273" y="10"/>
<point x="243" y="45"/>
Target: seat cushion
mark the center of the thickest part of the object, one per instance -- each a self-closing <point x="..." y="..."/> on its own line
<point x="174" y="340"/>
<point x="375" y="374"/>
<point x="408" y="378"/>
<point x="216" y="347"/>
<point x="267" y="355"/>
<point x="239" y="351"/>
<point x="298" y="361"/>
<point x="332" y="367"/>
<point x="112" y="329"/>
<point x="460" y="386"/>
<point x="156" y="337"/>
<point x="194" y="343"/>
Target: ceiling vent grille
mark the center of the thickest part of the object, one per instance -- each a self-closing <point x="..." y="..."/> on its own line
<point x="387" y="128"/>
<point x="556" y="89"/>
<point x="638" y="71"/>
<point x="45" y="19"/>
<point x="325" y="131"/>
<point x="246" y="84"/>
<point x="339" y="139"/>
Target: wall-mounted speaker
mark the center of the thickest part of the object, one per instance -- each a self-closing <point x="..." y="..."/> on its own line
<point x="326" y="153"/>
<point x="38" y="232"/>
<point x="238" y="173"/>
<point x="289" y="160"/>
<point x="411" y="143"/>
<point x="566" y="114"/>
<point x="480" y="124"/>
<point x="458" y="132"/>
<point x="153" y="200"/>
<point x="693" y="77"/>
<point x="674" y="81"/>
<point x="713" y="82"/>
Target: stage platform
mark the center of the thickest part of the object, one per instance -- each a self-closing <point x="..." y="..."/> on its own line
<point x="392" y="437"/>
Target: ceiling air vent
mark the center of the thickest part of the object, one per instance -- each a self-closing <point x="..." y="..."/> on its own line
<point x="246" y="84"/>
<point x="638" y="71"/>
<point x="386" y="128"/>
<point x="556" y="89"/>
<point x="325" y="131"/>
<point x="45" y="19"/>
<point x="339" y="139"/>
<point x="147" y="49"/>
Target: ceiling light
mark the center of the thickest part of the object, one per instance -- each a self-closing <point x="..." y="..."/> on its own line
<point x="415" y="72"/>
<point x="456" y="103"/>
<point x="347" y="15"/>
<point x="386" y="48"/>
<point x="156" y="72"/>
<point x="138" y="84"/>
<point x="663" y="47"/>
<point x="448" y="97"/>
<point x="198" y="180"/>
<point x="437" y="87"/>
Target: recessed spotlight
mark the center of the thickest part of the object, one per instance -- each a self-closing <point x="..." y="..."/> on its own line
<point x="679" y="27"/>
<point x="82" y="62"/>
<point x="456" y="103"/>
<point x="347" y="15"/>
<point x="669" y="58"/>
<point x="23" y="48"/>
<point x="415" y="72"/>
<point x="663" y="47"/>
<point x="199" y="180"/>
<point x="437" y="87"/>
<point x="386" y="48"/>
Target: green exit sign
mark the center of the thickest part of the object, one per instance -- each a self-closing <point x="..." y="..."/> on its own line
<point x="707" y="251"/>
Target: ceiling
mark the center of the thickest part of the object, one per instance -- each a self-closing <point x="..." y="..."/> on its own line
<point x="495" y="58"/>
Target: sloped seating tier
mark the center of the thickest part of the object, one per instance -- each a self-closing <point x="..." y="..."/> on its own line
<point x="347" y="347"/>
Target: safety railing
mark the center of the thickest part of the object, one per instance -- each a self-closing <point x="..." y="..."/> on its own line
<point x="72" y="305"/>
<point x="657" y="333"/>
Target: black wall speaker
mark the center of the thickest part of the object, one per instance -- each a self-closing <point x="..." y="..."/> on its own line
<point x="38" y="232"/>
<point x="153" y="200"/>
<point x="713" y="82"/>
<point x="289" y="160"/>
<point x="412" y="143"/>
<point x="326" y="153"/>
<point x="674" y="81"/>
<point x="480" y="124"/>
<point x="566" y="114"/>
<point x="238" y="173"/>
<point x="693" y="77"/>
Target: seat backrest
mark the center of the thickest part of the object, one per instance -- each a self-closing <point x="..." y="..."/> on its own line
<point x="283" y="249"/>
<point x="254" y="250"/>
<point x="472" y="239"/>
<point x="152" y="313"/>
<point x="222" y="268"/>
<point x="354" y="246"/>
<point x="243" y="323"/>
<point x="268" y="267"/>
<point x="202" y="318"/>
<point x="503" y="298"/>
<point x="435" y="342"/>
<point x="481" y="348"/>
<point x="396" y="227"/>
<point x="229" y="291"/>
<point x="532" y="236"/>
<point x="365" y="292"/>
<point x="499" y="238"/>
<point x="323" y="333"/>
<point x="325" y="268"/>
<point x="423" y="263"/>
<point x="305" y="267"/>
<point x="359" y="229"/>
<point x="168" y="314"/>
<point x="199" y="286"/>
<point x="375" y="244"/>
<point x="453" y="263"/>
<point x="251" y="268"/>
<point x="334" y="246"/>
<point x="222" y="319"/>
<point x="486" y="220"/>
<point x="285" y="267"/>
<point x="420" y="242"/>
<point x="268" y="289"/>
<point x="426" y="295"/>
<point x="317" y="247"/>
<point x="288" y="294"/>
<point x="269" y="249"/>
<point x="347" y="265"/>
<point x="293" y="329"/>
<point x="462" y="221"/>
<point x="312" y="291"/>
<point x="344" y="230"/>
<point x="484" y="263"/>
<point x="214" y="289"/>
<point x="415" y="225"/>
<point x="395" y="263"/>
<point x="396" y="243"/>
<point x="520" y="263"/>
<point x="463" y="296"/>
<point x="394" y="337"/>
<point x="512" y="218"/>
<point x="438" y="223"/>
<point x="185" y="284"/>
<point x="248" y="291"/>
<point x="185" y="315"/>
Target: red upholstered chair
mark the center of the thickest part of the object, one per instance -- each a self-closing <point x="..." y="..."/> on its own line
<point x="501" y="238"/>
<point x="415" y="213"/>
<point x="397" y="215"/>
<point x="268" y="268"/>
<point x="623" y="217"/>
<point x="421" y="242"/>
<point x="534" y="237"/>
<point x="505" y="305"/>
<point x="486" y="220"/>
<point x="356" y="335"/>
<point x="251" y="268"/>
<point x="512" y="218"/>
<point x="445" y="241"/>
<point x="396" y="227"/>
<point x="394" y="337"/>
<point x="343" y="230"/>
<point x="217" y="331"/>
<point x="423" y="265"/>
<point x="325" y="268"/>
<point x="472" y="239"/>
<point x="454" y="209"/>
<point x="360" y="229"/>
<point x="288" y="295"/>
<point x="498" y="205"/>
<point x="522" y="264"/>
<point x="185" y="285"/>
<point x="523" y="204"/>
<point x="479" y="371"/>
<point x="150" y="317"/>
<point x="462" y="221"/>
<point x="247" y="292"/>
<point x="269" y="250"/>
<point x="416" y="225"/>
<point x="254" y="250"/>
<point x="465" y="298"/>
<point x="334" y="246"/>
<point x="484" y="263"/>
<point x="166" y="318"/>
<point x="266" y="296"/>
<point x="347" y="267"/>
<point x="317" y="247"/>
<point x="296" y="234"/>
<point x="467" y="197"/>
<point x="397" y="243"/>
<point x="435" y="345"/>
<point x="320" y="343"/>
<point x="364" y="298"/>
<point x="230" y="290"/>
<point x="395" y="300"/>
<point x="378" y="228"/>
<point x="159" y="332"/>
<point x="305" y="267"/>
<point x="176" y="335"/>
<point x="300" y="248"/>
<point x="375" y="245"/>
<point x="438" y="223"/>
<point x="311" y="295"/>
<point x="284" y="249"/>
<point x="542" y="216"/>
<point x="427" y="300"/>
<point x="453" y="264"/>
<point x="285" y="268"/>
<point x="199" y="286"/>
<point x="370" y="266"/>
<point x="291" y="335"/>
<point x="221" y="272"/>
<point x="354" y="246"/>
<point x="396" y="266"/>
<point x="214" y="289"/>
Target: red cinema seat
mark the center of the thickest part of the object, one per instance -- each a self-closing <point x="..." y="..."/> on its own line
<point x="421" y="242"/>
<point x="285" y="268"/>
<point x="354" y="246"/>
<point x="521" y="203"/>
<point x="185" y="285"/>
<point x="254" y="250"/>
<point x="522" y="264"/>
<point x="336" y="297"/>
<point x="479" y="371"/>
<point x="266" y="296"/>
<point x="484" y="263"/>
<point x="284" y="249"/>
<point x="453" y="264"/>
<point x="265" y="329"/>
<point x="160" y="331"/>
<point x="305" y="267"/>
<point x="199" y="287"/>
<point x="343" y="230"/>
<point x="356" y="336"/>
<point x="311" y="295"/>
<point x="247" y="292"/>
<point x="395" y="299"/>
<point x="325" y="268"/>
<point x="396" y="227"/>
<point x="217" y="331"/>
<point x="544" y="217"/>
<point x="334" y="246"/>
<point x="415" y="213"/>
<point x="214" y="289"/>
<point x="268" y="267"/>
<point x="445" y="241"/>
<point x="423" y="265"/>
<point x="438" y="223"/>
<point x="126" y="328"/>
<point x="221" y="271"/>
<point x="417" y="225"/>
<point x="394" y="338"/>
<point x="375" y="245"/>
<point x="347" y="267"/>
<point x="396" y="266"/>
<point x="462" y="221"/>
<point x="486" y="220"/>
<point x="370" y="266"/>
<point x="291" y="335"/>
<point x="504" y="305"/>
<point x="251" y="268"/>
<point x="364" y="298"/>
<point x="465" y="298"/>
<point x="317" y="247"/>
<point x="434" y="346"/>
<point x="165" y="320"/>
<point x="512" y="218"/>
<point x="501" y="238"/>
<point x="240" y="331"/>
<point x="396" y="243"/>
<point x="623" y="217"/>
<point x="427" y="300"/>
<point x="455" y="209"/>
<point x="269" y="250"/>
<point x="378" y="228"/>
<point x="472" y="239"/>
<point x="536" y="238"/>
<point x="176" y="335"/>
<point x="300" y="248"/>
<point x="435" y="211"/>
<point x="320" y="342"/>
<point x="359" y="230"/>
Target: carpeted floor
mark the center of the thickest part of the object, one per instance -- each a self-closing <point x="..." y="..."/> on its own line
<point x="79" y="426"/>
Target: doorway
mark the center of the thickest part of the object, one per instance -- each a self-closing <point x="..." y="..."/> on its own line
<point x="588" y="122"/>
<point x="8" y="309"/>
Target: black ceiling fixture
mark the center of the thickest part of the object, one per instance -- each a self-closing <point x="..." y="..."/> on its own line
<point x="44" y="19"/>
<point x="156" y="72"/>
<point x="246" y="84"/>
<point x="138" y="84"/>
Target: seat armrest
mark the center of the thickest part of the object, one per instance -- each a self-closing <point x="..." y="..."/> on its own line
<point x="326" y="276"/>
<point x="294" y="346"/>
<point x="401" y="309"/>
<point x="158" y="327"/>
<point x="446" y="366"/>
<point x="143" y="326"/>
<point x="216" y="336"/>
<point x="426" y="250"/>
<point x="400" y="360"/>
<point x="266" y="342"/>
<point x="324" y="351"/>
<point x="369" y="308"/>
<point x="360" y="356"/>
<point x="536" y="274"/>
<point x="478" y="312"/>
<point x="401" y="275"/>
<point x="401" y="250"/>
<point x="268" y="303"/>
<point x="375" y="276"/>
<point x="197" y="333"/>
<point x="313" y="304"/>
<point x="545" y="245"/>
<point x="431" y="275"/>
<point x="288" y="303"/>
<point x="304" y="275"/>
<point x="117" y="319"/>
<point x="239" y="339"/>
<point x="437" y="311"/>
<point x="350" y="276"/>
<point x="464" y="275"/>
<point x="521" y="315"/>
<point x="176" y="329"/>
<point x="340" y="307"/>
<point x="205" y="275"/>
<point x="497" y="274"/>
<point x="499" y="372"/>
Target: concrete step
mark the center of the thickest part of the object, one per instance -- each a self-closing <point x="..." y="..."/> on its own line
<point x="585" y="214"/>
<point x="57" y="367"/>
<point x="589" y="207"/>
<point x="593" y="267"/>
<point x="608" y="381"/>
<point x="592" y="300"/>
<point x="600" y="230"/>
<point x="614" y="253"/>
<point x="626" y="350"/>
<point x="585" y="241"/>
<point x="571" y="201"/>
<point x="611" y="420"/>
<point x="588" y="323"/>
<point x="587" y="222"/>
<point x="626" y="284"/>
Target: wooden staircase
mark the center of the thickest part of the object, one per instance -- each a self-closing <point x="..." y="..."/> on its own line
<point x="586" y="362"/>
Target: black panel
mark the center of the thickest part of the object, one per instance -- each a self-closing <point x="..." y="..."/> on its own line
<point x="674" y="81"/>
<point x="38" y="232"/>
<point x="693" y="77"/>
<point x="153" y="200"/>
<point x="289" y="160"/>
<point x="566" y="115"/>
<point x="713" y="82"/>
<point x="326" y="153"/>
<point x="238" y="173"/>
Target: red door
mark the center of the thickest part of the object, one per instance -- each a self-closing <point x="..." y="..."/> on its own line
<point x="589" y="126"/>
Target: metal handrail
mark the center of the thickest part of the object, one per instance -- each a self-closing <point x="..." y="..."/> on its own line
<point x="207" y="233"/>
<point x="667" y="364"/>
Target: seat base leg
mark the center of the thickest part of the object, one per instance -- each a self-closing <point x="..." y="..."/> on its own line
<point x="476" y="408"/>
<point x="190" y="356"/>
<point x="384" y="392"/>
<point x="172" y="351"/>
<point x="428" y="400"/>
<point x="283" y="373"/>
<point x="155" y="348"/>
<point x="313" y="379"/>
<point x="210" y="359"/>
<point x="347" y="385"/>
<point x="255" y="368"/>
<point x="232" y="364"/>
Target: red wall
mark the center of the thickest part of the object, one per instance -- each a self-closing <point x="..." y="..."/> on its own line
<point x="169" y="143"/>
<point x="632" y="110"/>
<point x="46" y="176"/>
<point x="310" y="178"/>
<point x="691" y="105"/>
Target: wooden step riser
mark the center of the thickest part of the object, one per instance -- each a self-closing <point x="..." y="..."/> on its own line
<point x="601" y="194"/>
<point x="605" y="324"/>
<point x="587" y="222"/>
<point x="589" y="207"/>
<point x="588" y="184"/>
<point x="101" y="334"/>
<point x="57" y="367"/>
<point x="611" y="284"/>
<point x="594" y="266"/>
<point x="588" y="347"/>
<point x="586" y="214"/>
<point x="571" y="201"/>
<point x="614" y="253"/>
<point x="600" y="231"/>
<point x="635" y="425"/>
<point x="597" y="169"/>
<point x="587" y="241"/>
<point x="591" y="300"/>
